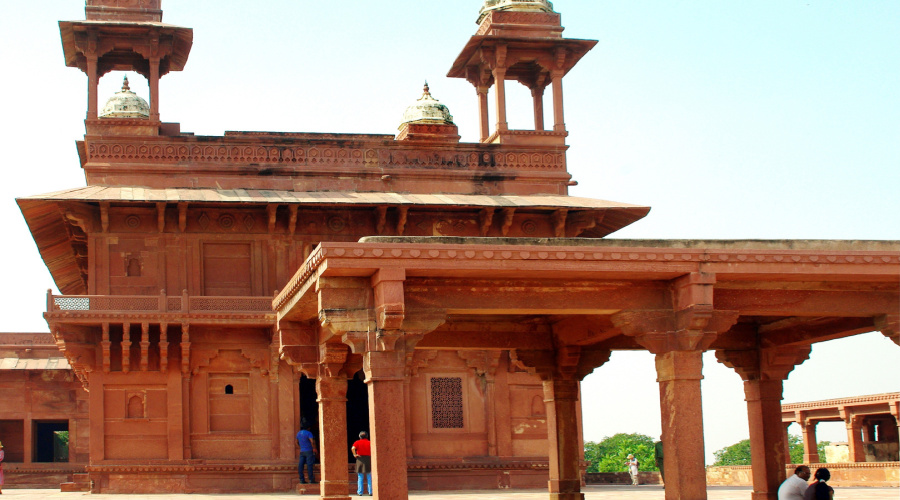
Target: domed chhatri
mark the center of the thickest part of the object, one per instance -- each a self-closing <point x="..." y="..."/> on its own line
<point x="427" y="110"/>
<point x="126" y="104"/>
<point x="514" y="5"/>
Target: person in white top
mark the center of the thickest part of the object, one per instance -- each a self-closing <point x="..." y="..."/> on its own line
<point x="795" y="486"/>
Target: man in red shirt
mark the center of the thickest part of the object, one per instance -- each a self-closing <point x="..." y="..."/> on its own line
<point x="362" y="450"/>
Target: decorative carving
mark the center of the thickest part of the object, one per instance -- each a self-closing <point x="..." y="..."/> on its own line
<point x="225" y="221"/>
<point x="160" y="217"/>
<point x="446" y="403"/>
<point x="485" y="218"/>
<point x="764" y="364"/>
<point x="559" y="222"/>
<point x="508" y="214"/>
<point x="481" y="362"/>
<point x="336" y="224"/>
<point x="889" y="326"/>
<point x="660" y="331"/>
<point x="402" y="213"/>
<point x="203" y="220"/>
<point x="419" y="359"/>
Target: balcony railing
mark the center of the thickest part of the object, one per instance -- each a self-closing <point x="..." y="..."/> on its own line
<point x="159" y="303"/>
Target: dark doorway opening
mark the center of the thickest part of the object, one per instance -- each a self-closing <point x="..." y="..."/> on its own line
<point x="309" y="408"/>
<point x="357" y="410"/>
<point x="51" y="441"/>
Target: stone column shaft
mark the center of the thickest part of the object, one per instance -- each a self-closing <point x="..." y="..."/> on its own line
<point x="387" y="419"/>
<point x="154" y="89"/>
<point x="93" y="80"/>
<point x="810" y="446"/>
<point x="484" y="121"/>
<point x="537" y="95"/>
<point x="561" y="397"/>
<point x="679" y="374"/>
<point x="332" y="401"/>
<point x="559" y="124"/>
<point x="500" y="96"/>
<point x="766" y="437"/>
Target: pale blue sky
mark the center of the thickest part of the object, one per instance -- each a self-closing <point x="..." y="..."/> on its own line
<point x="763" y="119"/>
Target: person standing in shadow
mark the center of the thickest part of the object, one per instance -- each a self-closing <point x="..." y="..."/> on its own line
<point x="307" y="443"/>
<point x="362" y="450"/>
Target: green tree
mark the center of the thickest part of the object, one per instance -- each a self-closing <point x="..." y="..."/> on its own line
<point x="739" y="453"/>
<point x="609" y="454"/>
<point x="736" y="454"/>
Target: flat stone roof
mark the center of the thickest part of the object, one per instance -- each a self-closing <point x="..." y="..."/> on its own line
<point x="828" y="245"/>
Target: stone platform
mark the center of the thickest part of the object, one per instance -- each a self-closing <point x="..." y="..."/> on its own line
<point x="590" y="493"/>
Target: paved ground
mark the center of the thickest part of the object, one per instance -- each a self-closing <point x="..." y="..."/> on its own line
<point x="590" y="493"/>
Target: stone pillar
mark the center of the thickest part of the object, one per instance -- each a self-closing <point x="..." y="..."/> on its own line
<point x="561" y="371"/>
<point x="763" y="372"/>
<point x="810" y="444"/>
<point x="787" y="447"/>
<point x="679" y="374"/>
<point x="854" y="435"/>
<point x="154" y="88"/>
<point x="384" y="377"/>
<point x="678" y="338"/>
<point x="559" y="124"/>
<point x="93" y="80"/>
<point x="537" y="95"/>
<point x="484" y="123"/>
<point x="561" y="397"/>
<point x="332" y="391"/>
<point x="500" y="97"/>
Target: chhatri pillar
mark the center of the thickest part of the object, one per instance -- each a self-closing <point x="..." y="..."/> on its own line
<point x="678" y="338"/>
<point x="763" y="372"/>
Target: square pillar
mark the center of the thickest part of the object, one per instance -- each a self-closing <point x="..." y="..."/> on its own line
<point x="766" y="433"/>
<point x="332" y="392"/>
<point x="810" y="444"/>
<point x="679" y="374"/>
<point x="387" y="420"/>
<point x="561" y="399"/>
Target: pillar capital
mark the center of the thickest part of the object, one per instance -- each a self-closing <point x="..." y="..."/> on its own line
<point x="566" y="363"/>
<point x="764" y="364"/>
<point x="664" y="330"/>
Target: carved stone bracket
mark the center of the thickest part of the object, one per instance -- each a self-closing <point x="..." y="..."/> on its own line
<point x="420" y="359"/>
<point x="660" y="331"/>
<point x="332" y="357"/>
<point x="764" y="364"/>
<point x="889" y="326"/>
<point x="483" y="363"/>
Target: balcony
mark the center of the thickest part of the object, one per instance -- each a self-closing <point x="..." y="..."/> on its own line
<point x="199" y="309"/>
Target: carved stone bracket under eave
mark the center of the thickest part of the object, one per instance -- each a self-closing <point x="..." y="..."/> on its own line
<point x="889" y="326"/>
<point x="689" y="329"/>
<point x="764" y="364"/>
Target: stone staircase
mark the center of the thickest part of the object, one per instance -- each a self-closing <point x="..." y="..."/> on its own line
<point x="80" y="482"/>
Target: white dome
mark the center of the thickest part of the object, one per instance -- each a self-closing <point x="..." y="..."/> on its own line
<point x="125" y="104"/>
<point x="427" y="110"/>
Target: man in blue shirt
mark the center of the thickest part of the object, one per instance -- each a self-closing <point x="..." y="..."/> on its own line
<point x="307" y="443"/>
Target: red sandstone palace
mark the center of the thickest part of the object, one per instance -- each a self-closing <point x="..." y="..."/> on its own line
<point x="447" y="297"/>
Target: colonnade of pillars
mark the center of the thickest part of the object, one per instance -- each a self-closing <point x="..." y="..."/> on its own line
<point x="859" y="432"/>
<point x="537" y="93"/>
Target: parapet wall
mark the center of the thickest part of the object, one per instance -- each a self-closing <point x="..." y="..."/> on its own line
<point x="846" y="474"/>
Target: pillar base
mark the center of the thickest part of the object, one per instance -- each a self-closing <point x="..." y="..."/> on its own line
<point x="567" y="496"/>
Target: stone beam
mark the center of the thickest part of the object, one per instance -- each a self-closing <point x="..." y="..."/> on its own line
<point x="798" y="302"/>
<point x="516" y="297"/>
<point x="805" y="330"/>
